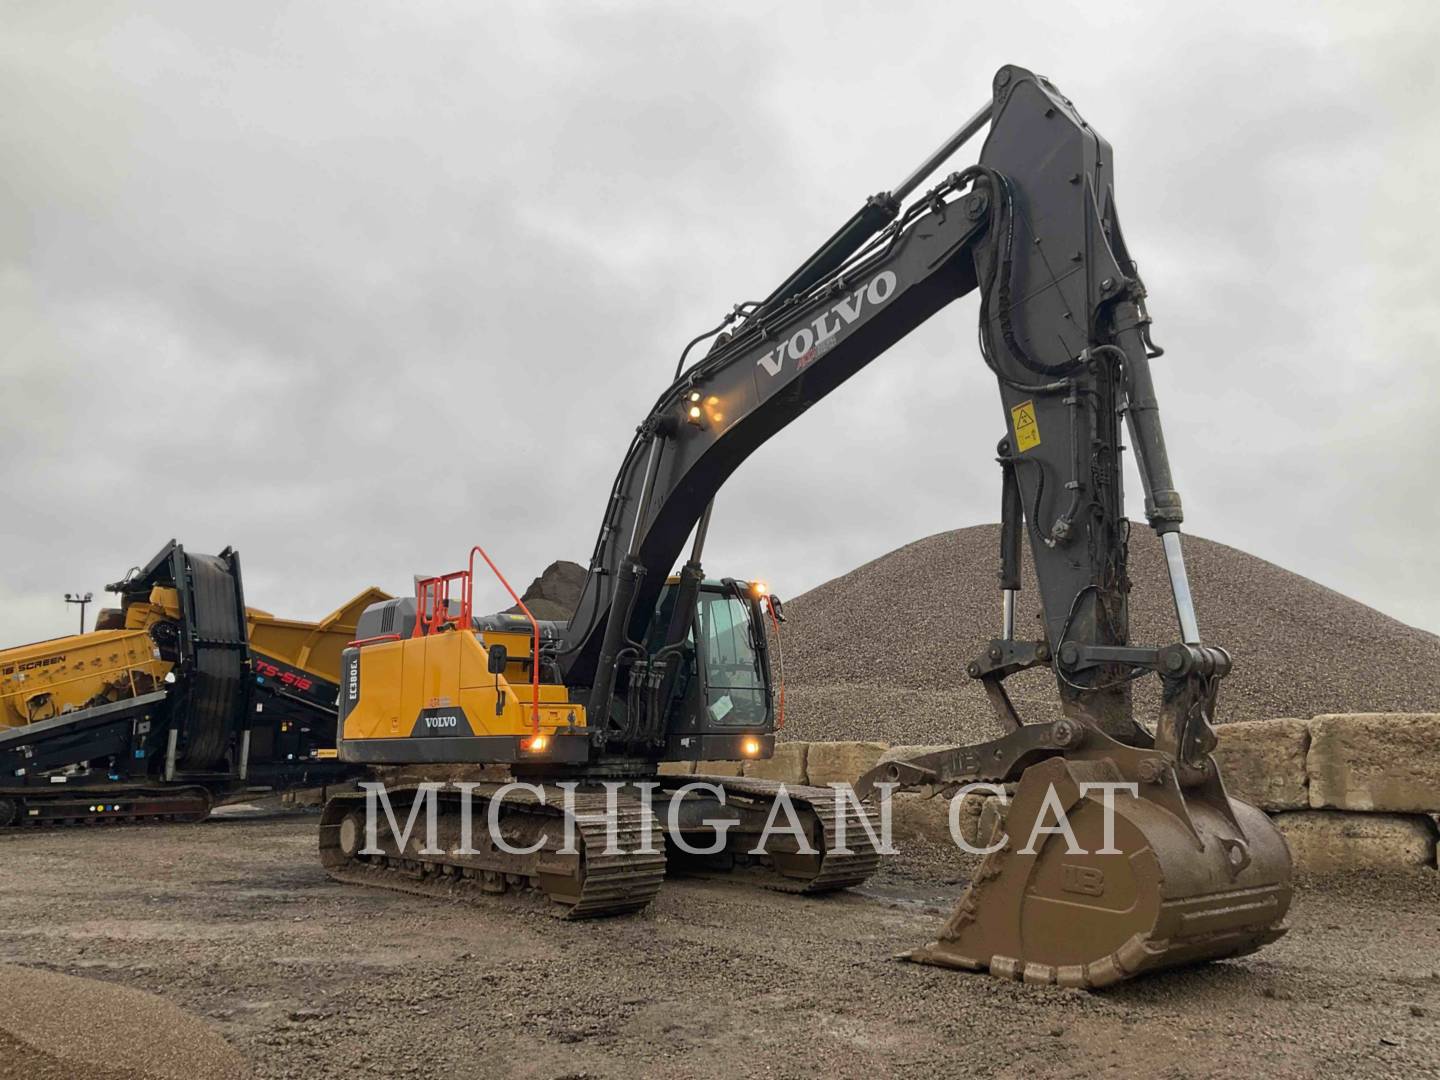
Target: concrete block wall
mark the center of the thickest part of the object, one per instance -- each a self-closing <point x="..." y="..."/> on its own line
<point x="1375" y="761"/>
<point x="1351" y="792"/>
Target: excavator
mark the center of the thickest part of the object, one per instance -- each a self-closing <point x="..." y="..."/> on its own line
<point x="1122" y="852"/>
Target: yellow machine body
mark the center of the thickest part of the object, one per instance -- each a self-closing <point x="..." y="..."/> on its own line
<point x="429" y="682"/>
<point x="438" y="682"/>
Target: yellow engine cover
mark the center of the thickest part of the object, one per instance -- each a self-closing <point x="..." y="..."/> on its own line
<point x="401" y="683"/>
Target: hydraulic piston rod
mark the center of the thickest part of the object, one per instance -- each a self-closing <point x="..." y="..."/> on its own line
<point x="878" y="211"/>
<point x="1180" y="587"/>
<point x="943" y="153"/>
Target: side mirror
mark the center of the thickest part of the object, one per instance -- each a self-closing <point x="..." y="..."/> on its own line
<point x="777" y="607"/>
<point x="498" y="659"/>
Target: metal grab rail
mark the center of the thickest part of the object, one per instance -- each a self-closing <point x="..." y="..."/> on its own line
<point x="780" y="658"/>
<point x="434" y="593"/>
<point x="360" y="643"/>
<point x="534" y="629"/>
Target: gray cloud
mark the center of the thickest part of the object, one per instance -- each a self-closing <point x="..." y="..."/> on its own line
<point x="352" y="288"/>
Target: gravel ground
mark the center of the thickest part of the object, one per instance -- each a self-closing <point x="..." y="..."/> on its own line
<point x="234" y="921"/>
<point x="880" y="652"/>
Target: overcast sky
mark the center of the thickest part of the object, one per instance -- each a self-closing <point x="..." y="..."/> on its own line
<point x="353" y="286"/>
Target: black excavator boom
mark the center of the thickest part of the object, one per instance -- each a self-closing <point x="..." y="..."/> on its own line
<point x="1034" y="228"/>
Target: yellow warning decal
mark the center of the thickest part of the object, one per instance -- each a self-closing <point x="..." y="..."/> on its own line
<point x="1027" y="431"/>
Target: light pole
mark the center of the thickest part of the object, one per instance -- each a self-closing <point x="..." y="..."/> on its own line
<point x="77" y="598"/>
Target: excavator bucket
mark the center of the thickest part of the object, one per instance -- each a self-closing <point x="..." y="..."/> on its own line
<point x="1077" y="893"/>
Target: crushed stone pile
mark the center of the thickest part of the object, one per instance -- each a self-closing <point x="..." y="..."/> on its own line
<point x="60" y="1027"/>
<point x="555" y="593"/>
<point x="880" y="652"/>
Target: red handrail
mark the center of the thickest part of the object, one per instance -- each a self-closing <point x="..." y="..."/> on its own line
<point x="436" y="591"/>
<point x="362" y="642"/>
<point x="534" y="630"/>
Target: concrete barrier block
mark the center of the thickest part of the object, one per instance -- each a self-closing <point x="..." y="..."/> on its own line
<point x="1331" y="841"/>
<point x="719" y="768"/>
<point x="841" y="762"/>
<point x="676" y="768"/>
<point x="1375" y="761"/>
<point x="788" y="764"/>
<point x="909" y="751"/>
<point x="914" y="817"/>
<point x="393" y="776"/>
<point x="917" y="817"/>
<point x="1263" y="762"/>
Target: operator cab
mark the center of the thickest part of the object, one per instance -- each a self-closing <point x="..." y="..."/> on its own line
<point x="723" y="686"/>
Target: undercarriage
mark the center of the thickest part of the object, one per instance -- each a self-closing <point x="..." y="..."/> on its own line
<point x="592" y="851"/>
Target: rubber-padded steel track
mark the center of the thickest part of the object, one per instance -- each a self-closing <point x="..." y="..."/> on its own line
<point x="587" y="883"/>
<point x="41" y="808"/>
<point x="816" y="808"/>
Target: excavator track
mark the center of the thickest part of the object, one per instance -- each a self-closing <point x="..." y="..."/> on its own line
<point x="828" y="871"/>
<point x="586" y="883"/>
<point x="31" y="808"/>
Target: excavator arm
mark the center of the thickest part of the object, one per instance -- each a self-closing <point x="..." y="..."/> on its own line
<point x="1163" y="868"/>
<point x="1064" y="332"/>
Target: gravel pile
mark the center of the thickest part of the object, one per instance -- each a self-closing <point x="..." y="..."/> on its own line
<point x="555" y="593"/>
<point x="880" y="652"/>
<point x="67" y="1028"/>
